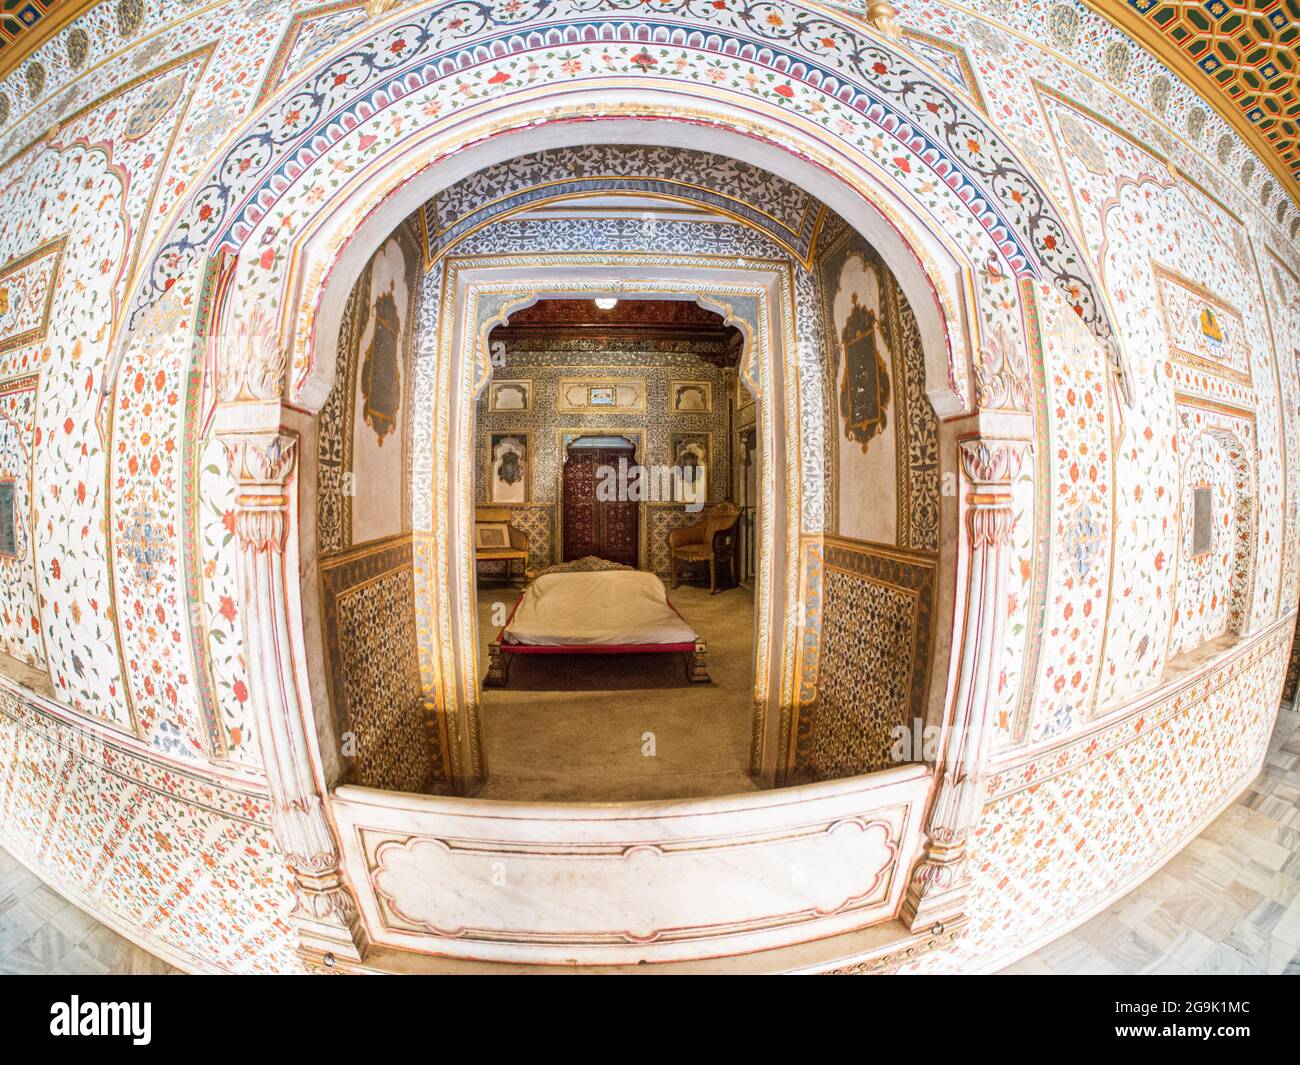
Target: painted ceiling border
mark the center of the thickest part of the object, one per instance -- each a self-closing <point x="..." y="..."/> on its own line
<point x="1148" y="36"/>
<point x="56" y="18"/>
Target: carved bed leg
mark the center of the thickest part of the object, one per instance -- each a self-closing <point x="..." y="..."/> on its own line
<point x="697" y="670"/>
<point x="498" y="673"/>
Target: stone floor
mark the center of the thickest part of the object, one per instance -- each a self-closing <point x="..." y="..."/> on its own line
<point x="41" y="934"/>
<point x="1227" y="903"/>
<point x="572" y="727"/>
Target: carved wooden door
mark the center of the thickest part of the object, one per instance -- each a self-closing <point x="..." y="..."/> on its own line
<point x="606" y="528"/>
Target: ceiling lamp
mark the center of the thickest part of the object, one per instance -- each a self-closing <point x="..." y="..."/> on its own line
<point x="606" y="303"/>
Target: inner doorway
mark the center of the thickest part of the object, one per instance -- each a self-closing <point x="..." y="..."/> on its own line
<point x="598" y="520"/>
<point x="621" y="420"/>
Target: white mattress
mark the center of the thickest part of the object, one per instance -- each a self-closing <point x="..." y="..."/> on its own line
<point x="597" y="609"/>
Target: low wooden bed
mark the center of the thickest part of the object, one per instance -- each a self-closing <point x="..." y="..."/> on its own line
<point x="594" y="607"/>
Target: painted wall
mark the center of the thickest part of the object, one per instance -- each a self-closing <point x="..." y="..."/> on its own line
<point x="388" y="737"/>
<point x="131" y="576"/>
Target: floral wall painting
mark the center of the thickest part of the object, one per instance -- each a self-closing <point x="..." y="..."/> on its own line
<point x="509" y="467"/>
<point x="510" y="395"/>
<point x="1142" y="531"/>
<point x="27" y="288"/>
<point x="690" y="397"/>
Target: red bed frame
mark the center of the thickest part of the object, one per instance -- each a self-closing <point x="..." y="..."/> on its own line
<point x="499" y="652"/>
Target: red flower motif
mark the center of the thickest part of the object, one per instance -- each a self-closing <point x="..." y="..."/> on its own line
<point x="784" y="90"/>
<point x="227" y="610"/>
<point x="241" y="692"/>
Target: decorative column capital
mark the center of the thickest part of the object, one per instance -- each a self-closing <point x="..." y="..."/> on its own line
<point x="988" y="467"/>
<point x="990" y="464"/>
<point x="260" y="465"/>
<point x="261" y="458"/>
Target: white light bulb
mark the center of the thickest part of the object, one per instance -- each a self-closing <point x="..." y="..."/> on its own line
<point x="606" y="303"/>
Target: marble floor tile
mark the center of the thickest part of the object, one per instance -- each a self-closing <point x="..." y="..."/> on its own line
<point x="41" y="933"/>
<point x="1228" y="903"/>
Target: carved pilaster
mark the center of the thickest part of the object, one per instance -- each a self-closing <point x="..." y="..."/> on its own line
<point x="938" y="888"/>
<point x="325" y="911"/>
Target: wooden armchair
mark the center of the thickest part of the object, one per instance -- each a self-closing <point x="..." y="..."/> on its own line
<point x="713" y="539"/>
<point x="518" y="549"/>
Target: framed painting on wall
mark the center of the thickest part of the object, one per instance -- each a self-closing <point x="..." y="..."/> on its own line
<point x="612" y="396"/>
<point x="510" y="395"/>
<point x="691" y="455"/>
<point x="690" y="397"/>
<point x="8" y="519"/>
<point x="491" y="535"/>
<point x="509" y="456"/>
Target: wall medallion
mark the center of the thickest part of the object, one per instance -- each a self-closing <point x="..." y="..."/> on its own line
<point x="130" y="16"/>
<point x="150" y="111"/>
<point x="78" y="47"/>
<point x="1160" y="90"/>
<point x="35" y="81"/>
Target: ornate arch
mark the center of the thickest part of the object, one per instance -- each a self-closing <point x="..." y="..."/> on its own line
<point x="301" y="195"/>
<point x="813" y="69"/>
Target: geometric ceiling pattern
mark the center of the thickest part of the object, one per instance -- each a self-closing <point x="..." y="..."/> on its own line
<point x="1243" y="56"/>
<point x="17" y="18"/>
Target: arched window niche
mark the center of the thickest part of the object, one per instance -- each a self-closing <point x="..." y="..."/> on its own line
<point x="1216" y="533"/>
